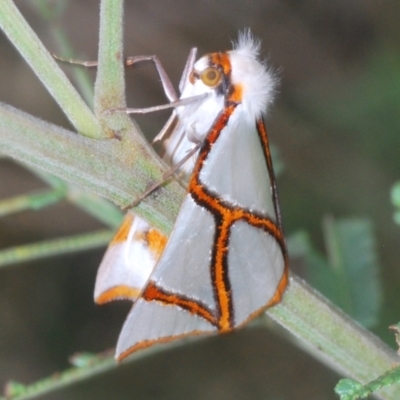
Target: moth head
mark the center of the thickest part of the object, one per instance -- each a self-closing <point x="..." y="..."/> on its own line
<point x="237" y="75"/>
<point x="206" y="77"/>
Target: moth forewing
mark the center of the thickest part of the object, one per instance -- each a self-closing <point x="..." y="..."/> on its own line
<point x="242" y="177"/>
<point x="225" y="260"/>
<point x="151" y="323"/>
<point x="196" y="272"/>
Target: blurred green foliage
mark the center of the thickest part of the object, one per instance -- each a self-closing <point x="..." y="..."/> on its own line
<point x="349" y="273"/>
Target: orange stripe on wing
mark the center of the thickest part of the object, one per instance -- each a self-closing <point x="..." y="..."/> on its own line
<point x="155" y="293"/>
<point x="227" y="214"/>
<point x="220" y="249"/>
<point x="123" y="231"/>
<point x="277" y="297"/>
<point x="150" y="342"/>
<point x="123" y="292"/>
<point x="156" y="242"/>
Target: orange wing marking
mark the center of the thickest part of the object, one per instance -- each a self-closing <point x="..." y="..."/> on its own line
<point x="123" y="231"/>
<point x="155" y="293"/>
<point x="155" y="240"/>
<point x="118" y="292"/>
<point x="226" y="215"/>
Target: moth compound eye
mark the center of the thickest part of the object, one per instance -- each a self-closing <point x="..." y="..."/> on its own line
<point x="211" y="76"/>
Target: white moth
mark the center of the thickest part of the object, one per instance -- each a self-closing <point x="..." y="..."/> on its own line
<point x="225" y="261"/>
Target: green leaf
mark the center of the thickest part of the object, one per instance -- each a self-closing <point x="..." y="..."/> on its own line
<point x="319" y="272"/>
<point x="349" y="275"/>
<point x="349" y="389"/>
<point x="352" y="254"/>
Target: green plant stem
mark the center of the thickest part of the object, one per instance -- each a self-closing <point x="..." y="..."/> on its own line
<point x="97" y="207"/>
<point x="47" y="70"/>
<point x="333" y="337"/>
<point x="113" y="168"/>
<point x="54" y="247"/>
<point x="51" y="14"/>
<point x="105" y="168"/>
<point x="322" y="330"/>
<point x="110" y="82"/>
<point x="121" y="169"/>
<point x="32" y="201"/>
<point x="81" y="76"/>
<point x="95" y="365"/>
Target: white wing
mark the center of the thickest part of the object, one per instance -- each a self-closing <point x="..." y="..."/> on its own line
<point x="128" y="261"/>
<point x="236" y="168"/>
<point x="225" y="261"/>
<point x="184" y="294"/>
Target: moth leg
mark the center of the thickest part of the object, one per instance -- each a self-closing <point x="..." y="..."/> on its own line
<point x="129" y="61"/>
<point x="188" y="68"/>
<point x="86" y="64"/>
<point x="167" y="84"/>
<point x="167" y="175"/>
<point x="172" y="104"/>
<point x="165" y="81"/>
<point x="169" y="90"/>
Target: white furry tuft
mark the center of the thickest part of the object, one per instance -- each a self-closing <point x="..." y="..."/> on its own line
<point x="257" y="81"/>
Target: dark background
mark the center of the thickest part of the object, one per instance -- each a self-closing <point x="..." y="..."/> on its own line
<point x="336" y="125"/>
